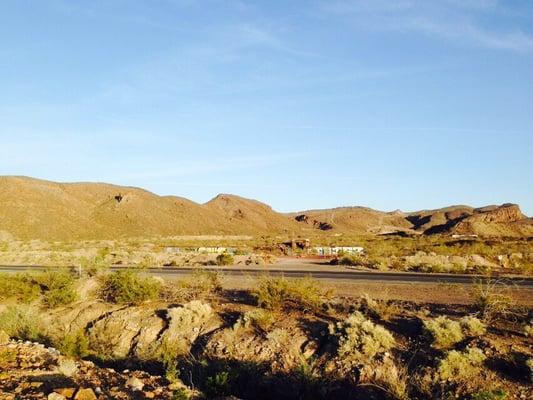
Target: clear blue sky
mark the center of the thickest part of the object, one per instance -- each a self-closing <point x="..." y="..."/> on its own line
<point x="301" y="104"/>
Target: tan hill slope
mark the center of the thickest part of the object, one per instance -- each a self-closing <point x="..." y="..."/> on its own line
<point x="504" y="220"/>
<point x="38" y="209"/>
<point x="353" y="219"/>
<point x="31" y="208"/>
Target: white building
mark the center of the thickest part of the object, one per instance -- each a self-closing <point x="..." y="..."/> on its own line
<point x="333" y="251"/>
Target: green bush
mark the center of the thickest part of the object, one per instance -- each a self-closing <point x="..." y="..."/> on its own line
<point x="225" y="259"/>
<point x="21" y="287"/>
<point x="276" y="293"/>
<point x="260" y="319"/>
<point x="58" y="287"/>
<point x="74" y="344"/>
<point x="359" y="339"/>
<point x="22" y="322"/>
<point x="217" y="385"/>
<point x="129" y="287"/>
<point x="499" y="394"/>
<point x="180" y="394"/>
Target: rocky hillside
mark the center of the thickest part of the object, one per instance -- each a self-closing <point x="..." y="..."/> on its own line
<point x="37" y="209"/>
<point x="354" y="219"/>
<point x="33" y="371"/>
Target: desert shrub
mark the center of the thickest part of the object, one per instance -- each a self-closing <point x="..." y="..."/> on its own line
<point x="58" y="287"/>
<point x="275" y="293"/>
<point x="217" y="385"/>
<point x="129" y="287"/>
<point x="148" y="261"/>
<point x="460" y="366"/>
<point x="7" y="357"/>
<point x="180" y="394"/>
<point x="350" y="259"/>
<point x="382" y="309"/>
<point x="261" y="319"/>
<point x="168" y="353"/>
<point x="472" y="326"/>
<point x="21" y="287"/>
<point x="529" y="365"/>
<point x="492" y="300"/>
<point x="102" y="340"/>
<point x="74" y="344"/>
<point x="94" y="266"/>
<point x="225" y="259"/>
<point x="359" y="339"/>
<point x="200" y="284"/>
<point x="499" y="394"/>
<point x="444" y="332"/>
<point x="528" y="330"/>
<point x="22" y="322"/>
<point x="388" y="376"/>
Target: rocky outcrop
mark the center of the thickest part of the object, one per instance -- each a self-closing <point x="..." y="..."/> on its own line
<point x="506" y="220"/>
<point x="120" y="332"/>
<point x="32" y="371"/>
<point x="505" y="213"/>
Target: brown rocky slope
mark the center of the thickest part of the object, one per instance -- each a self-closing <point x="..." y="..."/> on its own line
<point x="37" y="209"/>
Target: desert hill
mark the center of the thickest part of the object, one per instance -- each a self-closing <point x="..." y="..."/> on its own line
<point x="37" y="209"/>
<point x="354" y="219"/>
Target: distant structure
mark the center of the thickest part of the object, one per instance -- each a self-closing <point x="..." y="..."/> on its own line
<point x="200" y="250"/>
<point x="172" y="250"/>
<point x="464" y="236"/>
<point x="214" y="250"/>
<point x="334" y="251"/>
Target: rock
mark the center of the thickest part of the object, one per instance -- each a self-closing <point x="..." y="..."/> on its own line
<point x="66" y="392"/>
<point x="135" y="384"/>
<point x="132" y="330"/>
<point x="149" y="395"/>
<point x="85" y="394"/>
<point x="67" y="367"/>
<point x="55" y="396"/>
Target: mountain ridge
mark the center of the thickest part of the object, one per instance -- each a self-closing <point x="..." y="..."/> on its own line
<point x="32" y="208"/>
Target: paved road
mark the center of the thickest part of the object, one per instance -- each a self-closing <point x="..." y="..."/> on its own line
<point x="307" y="270"/>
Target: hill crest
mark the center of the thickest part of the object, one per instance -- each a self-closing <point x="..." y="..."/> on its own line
<point x="37" y="209"/>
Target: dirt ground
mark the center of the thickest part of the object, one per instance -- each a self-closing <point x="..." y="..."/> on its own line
<point x="416" y="292"/>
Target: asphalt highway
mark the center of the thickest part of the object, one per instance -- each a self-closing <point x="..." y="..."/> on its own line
<point x="302" y="270"/>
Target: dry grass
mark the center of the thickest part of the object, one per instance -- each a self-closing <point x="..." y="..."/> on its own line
<point x="277" y="293"/>
<point x="22" y="322"/>
<point x="492" y="299"/>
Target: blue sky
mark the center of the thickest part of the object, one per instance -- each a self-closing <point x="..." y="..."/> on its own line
<point x="302" y="104"/>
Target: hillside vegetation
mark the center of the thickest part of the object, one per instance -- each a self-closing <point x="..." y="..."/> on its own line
<point x="285" y="339"/>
